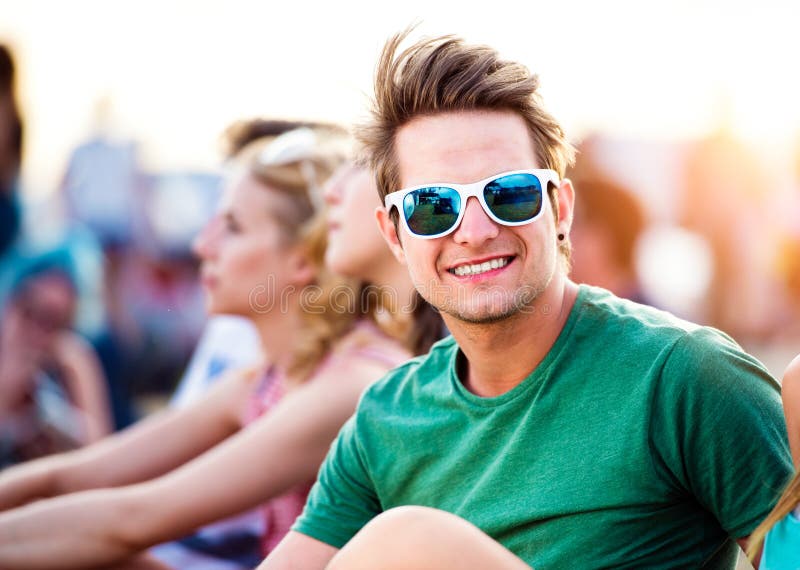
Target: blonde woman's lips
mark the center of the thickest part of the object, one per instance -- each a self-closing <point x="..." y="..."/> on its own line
<point x="208" y="281"/>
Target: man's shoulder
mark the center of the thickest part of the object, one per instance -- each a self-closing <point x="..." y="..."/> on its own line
<point x="611" y="328"/>
<point x="629" y="320"/>
<point x="686" y="353"/>
<point x="402" y="385"/>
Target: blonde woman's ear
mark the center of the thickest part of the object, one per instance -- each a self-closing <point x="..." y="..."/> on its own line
<point x="304" y="271"/>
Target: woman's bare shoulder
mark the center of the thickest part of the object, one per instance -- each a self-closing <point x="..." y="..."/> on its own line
<point x="790" y="386"/>
<point x="361" y="357"/>
<point x="368" y="343"/>
<point x="792" y="374"/>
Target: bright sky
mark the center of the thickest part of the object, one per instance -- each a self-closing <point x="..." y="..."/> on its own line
<point x="179" y="71"/>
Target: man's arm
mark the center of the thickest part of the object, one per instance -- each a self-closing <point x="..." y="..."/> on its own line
<point x="719" y="428"/>
<point x="299" y="552"/>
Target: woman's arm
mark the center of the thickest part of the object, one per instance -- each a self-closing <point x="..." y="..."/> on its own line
<point x="148" y="449"/>
<point x="85" y="384"/>
<point x="281" y="449"/>
<point x="790" y="393"/>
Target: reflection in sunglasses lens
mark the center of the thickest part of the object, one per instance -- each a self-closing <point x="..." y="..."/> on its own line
<point x="514" y="198"/>
<point x="433" y="210"/>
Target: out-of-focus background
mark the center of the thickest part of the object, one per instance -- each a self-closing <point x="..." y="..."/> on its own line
<point x="687" y="115"/>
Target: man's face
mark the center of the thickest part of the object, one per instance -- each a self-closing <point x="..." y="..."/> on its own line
<point x="466" y="147"/>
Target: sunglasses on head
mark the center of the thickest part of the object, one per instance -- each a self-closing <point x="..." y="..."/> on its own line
<point x="510" y="198"/>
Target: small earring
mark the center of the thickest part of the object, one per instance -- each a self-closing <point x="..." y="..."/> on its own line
<point x="561" y="237"/>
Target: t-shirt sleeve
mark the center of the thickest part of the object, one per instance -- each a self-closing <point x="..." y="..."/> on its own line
<point x="717" y="429"/>
<point x="343" y="499"/>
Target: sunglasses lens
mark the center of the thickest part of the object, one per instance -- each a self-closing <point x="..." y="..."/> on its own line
<point x="514" y="198"/>
<point x="433" y="210"/>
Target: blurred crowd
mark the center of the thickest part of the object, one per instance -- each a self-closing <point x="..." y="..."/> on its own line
<point x="101" y="305"/>
<point x="706" y="229"/>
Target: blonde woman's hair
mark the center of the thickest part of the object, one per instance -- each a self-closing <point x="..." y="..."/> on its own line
<point x="444" y="74"/>
<point x="295" y="165"/>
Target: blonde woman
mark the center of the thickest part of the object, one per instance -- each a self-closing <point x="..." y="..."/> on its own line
<point x="262" y="258"/>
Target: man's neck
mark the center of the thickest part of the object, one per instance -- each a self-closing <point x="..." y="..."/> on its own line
<point x="501" y="355"/>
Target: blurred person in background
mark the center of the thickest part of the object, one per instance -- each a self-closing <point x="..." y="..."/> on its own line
<point x="102" y="185"/>
<point x="52" y="391"/>
<point x="148" y="271"/>
<point x="788" y="255"/>
<point x="356" y="249"/>
<point x="10" y="151"/>
<point x="789" y="268"/>
<point x="724" y="201"/>
<point x="11" y="131"/>
<point x="296" y="401"/>
<point x="608" y="221"/>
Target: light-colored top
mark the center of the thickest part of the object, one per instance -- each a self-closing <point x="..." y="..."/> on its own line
<point x="228" y="343"/>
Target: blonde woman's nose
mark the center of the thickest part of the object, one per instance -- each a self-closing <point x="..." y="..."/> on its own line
<point x="204" y="243"/>
<point x="332" y="192"/>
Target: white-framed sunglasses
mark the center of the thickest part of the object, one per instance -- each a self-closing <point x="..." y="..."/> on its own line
<point x="512" y="198"/>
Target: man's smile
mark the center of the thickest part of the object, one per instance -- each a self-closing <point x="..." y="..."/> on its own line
<point x="472" y="268"/>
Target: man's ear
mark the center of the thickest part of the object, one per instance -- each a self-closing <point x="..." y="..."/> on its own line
<point x="566" y="205"/>
<point x="389" y="233"/>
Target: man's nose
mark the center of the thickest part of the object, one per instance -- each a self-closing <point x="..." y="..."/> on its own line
<point x="476" y="226"/>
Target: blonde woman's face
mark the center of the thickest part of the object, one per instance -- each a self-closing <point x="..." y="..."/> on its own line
<point x="246" y="260"/>
<point x="355" y="246"/>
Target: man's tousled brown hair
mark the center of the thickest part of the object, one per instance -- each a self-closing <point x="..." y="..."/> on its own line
<point x="445" y="74"/>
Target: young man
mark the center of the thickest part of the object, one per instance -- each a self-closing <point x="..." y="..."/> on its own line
<point x="574" y="429"/>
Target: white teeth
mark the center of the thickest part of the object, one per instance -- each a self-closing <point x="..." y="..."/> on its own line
<point x="478" y="268"/>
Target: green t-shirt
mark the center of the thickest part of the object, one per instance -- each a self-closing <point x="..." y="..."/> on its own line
<point x="639" y="441"/>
